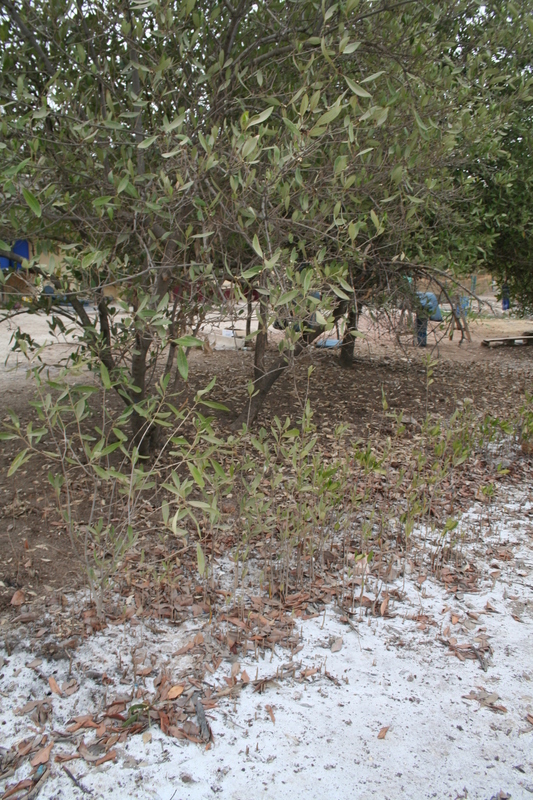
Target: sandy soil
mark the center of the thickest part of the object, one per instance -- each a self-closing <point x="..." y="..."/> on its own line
<point x="377" y="708"/>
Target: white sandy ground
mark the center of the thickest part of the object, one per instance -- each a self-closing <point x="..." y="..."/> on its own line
<point x="324" y="740"/>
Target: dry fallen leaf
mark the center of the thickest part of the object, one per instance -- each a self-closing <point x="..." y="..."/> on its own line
<point x="147" y="737"/>
<point x="93" y="753"/>
<point x="244" y="677"/>
<point x="175" y="691"/>
<point x="235" y="669"/>
<point x="42" y="756"/>
<point x="271" y="714"/>
<point x="24" y="784"/>
<point x="383" y="732"/>
<point x="70" y="687"/>
<point x="337" y="645"/>
<point x="111" y="756"/>
<point x="18" y="598"/>
<point x="54" y="685"/>
<point x="529" y="718"/>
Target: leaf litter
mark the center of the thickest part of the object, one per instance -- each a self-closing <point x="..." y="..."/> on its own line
<point x="105" y="695"/>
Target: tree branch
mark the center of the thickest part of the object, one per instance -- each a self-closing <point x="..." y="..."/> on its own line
<point x="28" y="35"/>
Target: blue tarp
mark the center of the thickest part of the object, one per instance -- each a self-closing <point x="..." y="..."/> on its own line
<point x="22" y="249"/>
<point x="430" y="303"/>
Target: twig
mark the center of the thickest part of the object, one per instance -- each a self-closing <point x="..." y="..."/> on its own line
<point x="76" y="781"/>
<point x="34" y="791"/>
<point x="202" y="722"/>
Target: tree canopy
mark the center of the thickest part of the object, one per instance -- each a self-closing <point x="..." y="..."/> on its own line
<point x="296" y="148"/>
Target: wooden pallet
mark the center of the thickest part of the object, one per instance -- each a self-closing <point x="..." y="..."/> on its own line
<point x="509" y="341"/>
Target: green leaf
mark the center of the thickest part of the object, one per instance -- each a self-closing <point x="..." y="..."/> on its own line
<point x="328" y="117"/>
<point x="123" y="184"/>
<point x="145" y="144"/>
<point x="101" y="201"/>
<point x="257" y="246"/>
<point x="104" y="374"/>
<point x="183" y="366"/>
<point x="189" y="341"/>
<point x="17" y="462"/>
<point x="291" y="126"/>
<point x="176" y="122"/>
<point x="32" y="201"/>
<point x="249" y="146"/>
<point x="356" y="89"/>
<point x="264" y="115"/>
<point x="381" y="115"/>
<point x="197" y="475"/>
<point x="288" y="297"/>
<point x="351" y="48"/>
<point x="340" y="164"/>
<point x="214" y="404"/>
<point x="201" y="559"/>
<point x="373" y="77"/>
<point x="339" y="292"/>
<point x="252" y="272"/>
<point x="419" y="121"/>
<point x="397" y="174"/>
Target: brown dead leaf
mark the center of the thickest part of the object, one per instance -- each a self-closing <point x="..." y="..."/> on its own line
<point x="175" y="691"/>
<point x="25" y="746"/>
<point x="42" y="755"/>
<point x="309" y="671"/>
<point x="147" y="737"/>
<point x="93" y="753"/>
<point x="54" y="685"/>
<point x="85" y="721"/>
<point x="69" y="687"/>
<point x="271" y="714"/>
<point x="18" y="787"/>
<point x="34" y="664"/>
<point x="529" y="718"/>
<point x="383" y="732"/>
<point x="111" y="756"/>
<point x="455" y="619"/>
<point x="61" y="758"/>
<point x="337" y="645"/>
<point x="244" y="677"/>
<point x="235" y="669"/>
<point x="18" y="598"/>
<point x="384" y="606"/>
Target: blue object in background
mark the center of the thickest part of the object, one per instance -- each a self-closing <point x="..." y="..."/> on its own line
<point x="22" y="249"/>
<point x="421" y="331"/>
<point x="430" y="310"/>
<point x="506" y="303"/>
<point x="430" y="303"/>
<point x="464" y="306"/>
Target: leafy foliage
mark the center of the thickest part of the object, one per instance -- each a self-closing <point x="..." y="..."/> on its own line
<point x="315" y="154"/>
